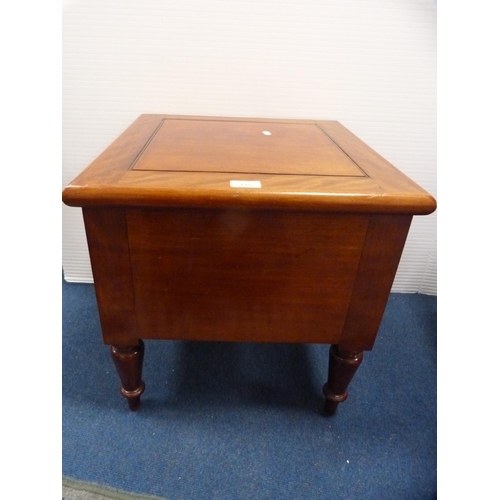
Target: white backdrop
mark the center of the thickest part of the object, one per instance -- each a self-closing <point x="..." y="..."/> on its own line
<point x="370" y="64"/>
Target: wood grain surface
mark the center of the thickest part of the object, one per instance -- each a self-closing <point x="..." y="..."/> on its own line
<point x="163" y="160"/>
<point x="244" y="147"/>
<point x="243" y="275"/>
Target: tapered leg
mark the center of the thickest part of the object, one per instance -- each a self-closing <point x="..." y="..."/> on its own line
<point x="341" y="369"/>
<point x="128" y="362"/>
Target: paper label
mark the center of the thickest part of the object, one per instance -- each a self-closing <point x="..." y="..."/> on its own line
<point x="245" y="184"/>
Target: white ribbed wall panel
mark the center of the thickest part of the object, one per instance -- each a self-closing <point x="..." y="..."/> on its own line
<point x="371" y="64"/>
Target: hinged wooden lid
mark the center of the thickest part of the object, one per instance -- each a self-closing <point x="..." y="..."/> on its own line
<point x="183" y="145"/>
<point x="163" y="160"/>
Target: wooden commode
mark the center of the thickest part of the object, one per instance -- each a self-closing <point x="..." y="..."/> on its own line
<point x="246" y="230"/>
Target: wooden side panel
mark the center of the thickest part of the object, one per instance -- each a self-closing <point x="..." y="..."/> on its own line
<point x="383" y="247"/>
<point x="241" y="275"/>
<point x="107" y="239"/>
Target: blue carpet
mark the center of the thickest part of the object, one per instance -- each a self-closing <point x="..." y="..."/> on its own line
<point x="244" y="421"/>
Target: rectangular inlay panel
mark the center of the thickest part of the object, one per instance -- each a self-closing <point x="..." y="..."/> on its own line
<point x="244" y="147"/>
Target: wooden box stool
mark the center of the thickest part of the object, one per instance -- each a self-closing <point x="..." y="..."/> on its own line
<point x="244" y="230"/>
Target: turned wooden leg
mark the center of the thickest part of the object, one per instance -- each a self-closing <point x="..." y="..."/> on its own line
<point x="128" y="363"/>
<point x="341" y="369"/>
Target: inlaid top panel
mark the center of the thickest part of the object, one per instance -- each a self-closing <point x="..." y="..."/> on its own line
<point x="251" y="163"/>
<point x="244" y="147"/>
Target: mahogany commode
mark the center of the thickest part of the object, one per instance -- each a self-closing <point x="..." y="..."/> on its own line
<point x="247" y="230"/>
